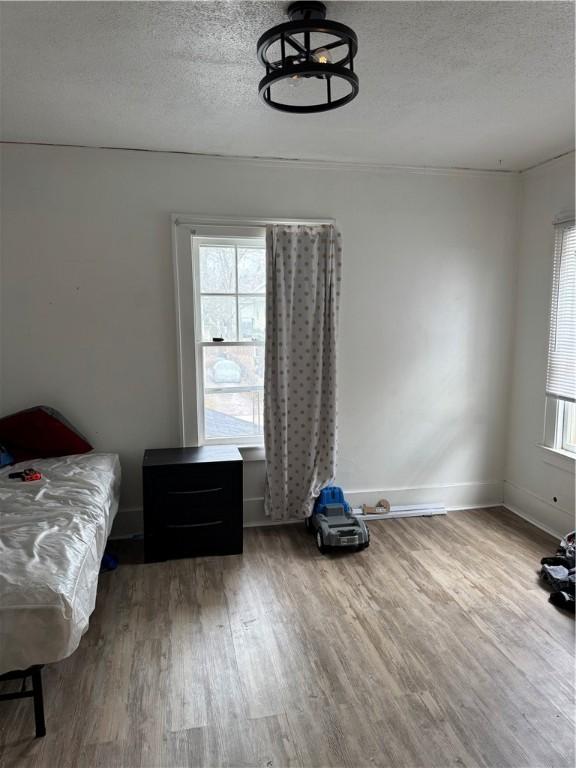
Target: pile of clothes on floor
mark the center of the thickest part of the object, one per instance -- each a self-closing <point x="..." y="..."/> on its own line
<point x="558" y="573"/>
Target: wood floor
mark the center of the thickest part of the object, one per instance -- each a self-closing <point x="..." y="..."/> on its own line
<point x="434" y="647"/>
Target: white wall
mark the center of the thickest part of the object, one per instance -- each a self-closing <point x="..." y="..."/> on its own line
<point x="426" y="319"/>
<point x="533" y="475"/>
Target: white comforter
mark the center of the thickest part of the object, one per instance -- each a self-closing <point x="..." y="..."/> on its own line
<point x="52" y="538"/>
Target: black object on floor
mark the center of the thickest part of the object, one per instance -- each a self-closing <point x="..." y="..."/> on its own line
<point x="558" y="560"/>
<point x="559" y="578"/>
<point x="562" y="600"/>
<point x="559" y="574"/>
<point x="109" y="562"/>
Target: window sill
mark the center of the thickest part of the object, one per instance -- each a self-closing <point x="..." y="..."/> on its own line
<point x="558" y="458"/>
<point x="249" y="451"/>
<point x="252" y="452"/>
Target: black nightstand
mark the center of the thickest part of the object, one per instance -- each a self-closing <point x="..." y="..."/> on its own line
<point x="192" y="502"/>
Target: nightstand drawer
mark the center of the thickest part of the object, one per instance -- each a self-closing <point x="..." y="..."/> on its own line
<point x="186" y="511"/>
<point x="169" y="503"/>
<point x="193" y="481"/>
<point x="219" y="538"/>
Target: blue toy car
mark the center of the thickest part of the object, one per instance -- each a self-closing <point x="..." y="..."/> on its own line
<point x="334" y="524"/>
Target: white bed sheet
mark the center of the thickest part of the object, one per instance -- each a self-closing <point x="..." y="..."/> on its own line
<point x="52" y="537"/>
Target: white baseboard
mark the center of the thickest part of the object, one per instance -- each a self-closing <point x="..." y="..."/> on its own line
<point x="536" y="510"/>
<point x="456" y="496"/>
<point x="265" y="522"/>
<point x="452" y="495"/>
<point x="532" y="520"/>
<point x="471" y="507"/>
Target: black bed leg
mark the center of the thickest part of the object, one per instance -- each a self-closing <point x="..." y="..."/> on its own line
<point x="38" y="702"/>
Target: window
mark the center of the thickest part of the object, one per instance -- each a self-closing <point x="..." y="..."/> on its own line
<point x="221" y="307"/>
<point x="561" y="371"/>
<point x="231" y="325"/>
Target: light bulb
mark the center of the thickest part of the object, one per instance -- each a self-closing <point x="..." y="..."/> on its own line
<point x="322" y="56"/>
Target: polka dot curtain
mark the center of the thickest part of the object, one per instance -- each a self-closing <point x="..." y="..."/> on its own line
<point x="303" y="265"/>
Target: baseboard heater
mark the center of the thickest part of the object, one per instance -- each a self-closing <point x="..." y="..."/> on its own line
<point x="406" y="510"/>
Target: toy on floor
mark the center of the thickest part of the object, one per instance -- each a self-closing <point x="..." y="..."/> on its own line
<point x="334" y="524"/>
<point x="109" y="562"/>
<point x="382" y="507"/>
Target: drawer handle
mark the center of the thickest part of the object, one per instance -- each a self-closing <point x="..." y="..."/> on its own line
<point x="195" y="525"/>
<point x="191" y="493"/>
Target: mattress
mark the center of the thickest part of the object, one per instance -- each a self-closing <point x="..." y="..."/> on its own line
<point x="52" y="538"/>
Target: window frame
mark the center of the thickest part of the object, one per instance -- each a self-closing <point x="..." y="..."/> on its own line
<point x="187" y="307"/>
<point x="558" y="412"/>
<point x="568" y="417"/>
<point x="557" y="416"/>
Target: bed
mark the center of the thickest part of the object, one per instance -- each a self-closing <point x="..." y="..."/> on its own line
<point x="52" y="537"/>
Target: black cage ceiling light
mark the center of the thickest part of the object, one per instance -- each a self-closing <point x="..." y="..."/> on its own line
<point x="309" y="46"/>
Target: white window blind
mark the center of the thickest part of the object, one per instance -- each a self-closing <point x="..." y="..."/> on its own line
<point x="561" y="373"/>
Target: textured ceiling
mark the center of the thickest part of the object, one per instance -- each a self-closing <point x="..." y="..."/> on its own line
<point x="453" y="84"/>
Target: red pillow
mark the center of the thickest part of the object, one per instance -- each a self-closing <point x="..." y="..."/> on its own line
<point x="40" y="433"/>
